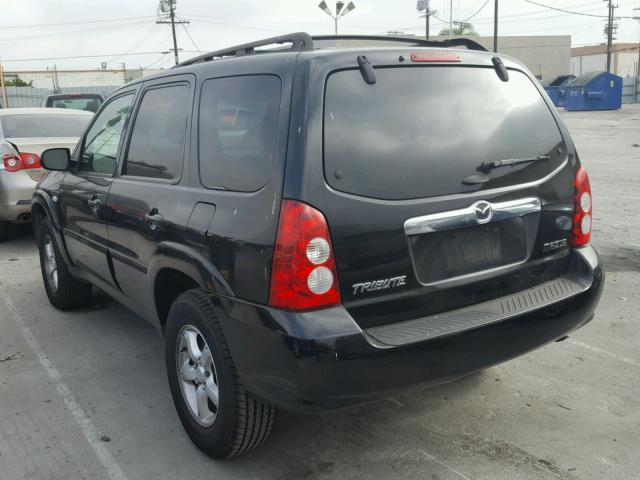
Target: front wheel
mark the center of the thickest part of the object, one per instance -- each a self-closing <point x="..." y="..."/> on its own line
<point x="64" y="291"/>
<point x="220" y="417"/>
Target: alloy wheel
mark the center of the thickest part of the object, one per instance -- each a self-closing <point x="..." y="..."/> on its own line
<point x="50" y="263"/>
<point x="197" y="374"/>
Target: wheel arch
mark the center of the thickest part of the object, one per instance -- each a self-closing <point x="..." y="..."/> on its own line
<point x="177" y="268"/>
<point x="42" y="205"/>
<point x="42" y="208"/>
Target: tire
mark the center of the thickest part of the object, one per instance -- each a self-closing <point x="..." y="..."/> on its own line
<point x="65" y="292"/>
<point x="239" y="422"/>
<point x="4" y="231"/>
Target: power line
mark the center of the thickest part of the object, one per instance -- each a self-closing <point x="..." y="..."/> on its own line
<point x="28" y="38"/>
<point x="571" y="11"/>
<point x="125" y="54"/>
<point x="477" y="11"/>
<point x="156" y="61"/>
<point x="78" y="22"/>
<point x="189" y="35"/>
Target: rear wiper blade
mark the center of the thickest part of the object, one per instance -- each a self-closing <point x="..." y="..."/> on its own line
<point x="486" y="167"/>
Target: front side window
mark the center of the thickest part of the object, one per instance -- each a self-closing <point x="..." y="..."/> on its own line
<point x="100" y="151"/>
<point x="158" y="137"/>
<point x="237" y="131"/>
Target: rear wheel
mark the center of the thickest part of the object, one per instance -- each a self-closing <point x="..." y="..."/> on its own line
<point x="220" y="417"/>
<point x="4" y="231"/>
<point x="64" y="291"/>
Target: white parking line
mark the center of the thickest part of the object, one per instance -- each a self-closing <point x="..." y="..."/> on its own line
<point x="602" y="351"/>
<point x="435" y="459"/>
<point x="82" y="419"/>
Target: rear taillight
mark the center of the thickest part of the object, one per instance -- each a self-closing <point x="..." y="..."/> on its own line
<point x="583" y="210"/>
<point x="304" y="271"/>
<point x="14" y="162"/>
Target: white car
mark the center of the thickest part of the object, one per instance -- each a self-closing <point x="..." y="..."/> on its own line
<point x="24" y="134"/>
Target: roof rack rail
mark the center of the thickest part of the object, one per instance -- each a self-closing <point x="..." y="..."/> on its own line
<point x="453" y="42"/>
<point x="303" y="41"/>
<point x="299" y="41"/>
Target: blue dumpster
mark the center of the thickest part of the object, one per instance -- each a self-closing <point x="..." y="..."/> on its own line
<point x="555" y="88"/>
<point x="594" y="91"/>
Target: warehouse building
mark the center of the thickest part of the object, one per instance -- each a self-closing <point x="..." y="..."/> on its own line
<point x="546" y="56"/>
<point x="58" y="79"/>
<point x="624" y="59"/>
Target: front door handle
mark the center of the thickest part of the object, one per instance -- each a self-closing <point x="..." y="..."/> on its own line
<point x="154" y="218"/>
<point x="94" y="203"/>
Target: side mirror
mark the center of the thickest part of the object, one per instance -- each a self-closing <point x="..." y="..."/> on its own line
<point x="57" y="159"/>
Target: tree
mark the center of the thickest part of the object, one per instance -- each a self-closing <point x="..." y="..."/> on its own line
<point x="461" y="28"/>
<point x="18" y="82"/>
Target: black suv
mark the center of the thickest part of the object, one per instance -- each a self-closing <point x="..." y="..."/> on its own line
<point x="312" y="228"/>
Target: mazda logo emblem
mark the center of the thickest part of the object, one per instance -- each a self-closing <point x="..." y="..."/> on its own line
<point x="483" y="212"/>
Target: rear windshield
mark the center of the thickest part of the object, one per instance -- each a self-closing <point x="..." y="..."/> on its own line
<point x="29" y="126"/>
<point x="90" y="103"/>
<point x="419" y="131"/>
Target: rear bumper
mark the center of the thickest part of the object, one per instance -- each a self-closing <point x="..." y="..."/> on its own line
<point x="318" y="361"/>
<point x="16" y="190"/>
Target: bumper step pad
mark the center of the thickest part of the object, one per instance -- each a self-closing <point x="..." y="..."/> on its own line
<point x="440" y="325"/>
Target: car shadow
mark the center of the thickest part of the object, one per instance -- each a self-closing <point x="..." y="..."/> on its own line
<point x="326" y="445"/>
<point x="19" y="232"/>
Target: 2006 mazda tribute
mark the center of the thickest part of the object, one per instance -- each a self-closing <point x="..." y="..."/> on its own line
<point x="312" y="228"/>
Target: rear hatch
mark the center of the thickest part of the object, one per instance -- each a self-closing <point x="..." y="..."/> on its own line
<point x="444" y="186"/>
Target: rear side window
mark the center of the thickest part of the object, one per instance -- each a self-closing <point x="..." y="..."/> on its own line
<point x="156" y="148"/>
<point x="237" y="131"/>
<point x="420" y="131"/>
<point x="88" y="103"/>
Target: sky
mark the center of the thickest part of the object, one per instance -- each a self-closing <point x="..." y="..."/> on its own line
<point x="36" y="34"/>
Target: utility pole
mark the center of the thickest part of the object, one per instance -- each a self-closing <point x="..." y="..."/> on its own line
<point x="427" y="14"/>
<point x="169" y="6"/>
<point x="424" y="5"/>
<point x="609" y="30"/>
<point x="638" y="66"/>
<point x="636" y="96"/>
<point x="450" y="19"/>
<point x="495" y="27"/>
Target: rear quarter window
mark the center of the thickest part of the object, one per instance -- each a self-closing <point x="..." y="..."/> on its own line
<point x="237" y="131"/>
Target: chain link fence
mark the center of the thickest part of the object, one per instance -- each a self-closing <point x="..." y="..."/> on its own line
<point x="631" y="90"/>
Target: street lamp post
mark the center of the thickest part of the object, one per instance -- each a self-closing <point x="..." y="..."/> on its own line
<point x="341" y="11"/>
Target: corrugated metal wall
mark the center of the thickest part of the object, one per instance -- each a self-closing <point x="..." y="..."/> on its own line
<point x="20" y="97"/>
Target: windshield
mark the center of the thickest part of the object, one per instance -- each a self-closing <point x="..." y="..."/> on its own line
<point x="419" y="131"/>
<point x="38" y="126"/>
